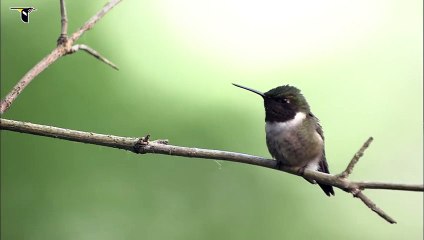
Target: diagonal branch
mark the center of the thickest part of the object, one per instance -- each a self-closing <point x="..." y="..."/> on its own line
<point x="27" y="78"/>
<point x="144" y="146"/>
<point x="94" y="19"/>
<point x="63" y="48"/>
<point x="359" y="194"/>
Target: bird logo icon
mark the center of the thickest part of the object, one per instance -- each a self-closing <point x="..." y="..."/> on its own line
<point x="25" y="11"/>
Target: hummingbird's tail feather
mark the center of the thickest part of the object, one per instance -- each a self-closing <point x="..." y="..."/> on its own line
<point x="323" y="167"/>
<point x="327" y="189"/>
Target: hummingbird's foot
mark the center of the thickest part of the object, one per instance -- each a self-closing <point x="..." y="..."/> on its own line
<point x="310" y="181"/>
<point x="301" y="172"/>
<point x="279" y="165"/>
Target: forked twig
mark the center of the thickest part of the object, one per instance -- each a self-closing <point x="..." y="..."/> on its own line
<point x="64" y="47"/>
<point x="357" y="190"/>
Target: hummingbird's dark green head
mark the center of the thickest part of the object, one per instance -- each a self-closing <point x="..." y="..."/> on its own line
<point x="281" y="103"/>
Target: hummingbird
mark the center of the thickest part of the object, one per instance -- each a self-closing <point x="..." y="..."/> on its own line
<point x="294" y="136"/>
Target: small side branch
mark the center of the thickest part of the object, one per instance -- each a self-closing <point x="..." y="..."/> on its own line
<point x="64" y="24"/>
<point x="144" y="146"/>
<point x="359" y="194"/>
<point x="391" y="186"/>
<point x="356" y="158"/>
<point x="93" y="53"/>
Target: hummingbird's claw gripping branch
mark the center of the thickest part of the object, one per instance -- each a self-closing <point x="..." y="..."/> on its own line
<point x="301" y="172"/>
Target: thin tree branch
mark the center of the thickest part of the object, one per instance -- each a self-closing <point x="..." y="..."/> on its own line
<point x="93" y="20"/>
<point x="64" y="47"/>
<point x="355" y="159"/>
<point x="144" y="146"/>
<point x="64" y="24"/>
<point x="359" y="194"/>
<point x="391" y="186"/>
<point x="93" y="53"/>
<point x="27" y="78"/>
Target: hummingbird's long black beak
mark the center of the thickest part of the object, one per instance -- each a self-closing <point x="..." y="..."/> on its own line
<point x="249" y="89"/>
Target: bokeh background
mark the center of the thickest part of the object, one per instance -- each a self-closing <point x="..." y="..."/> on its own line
<point x="359" y="63"/>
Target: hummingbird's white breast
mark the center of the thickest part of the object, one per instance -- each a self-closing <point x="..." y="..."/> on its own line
<point x="277" y="127"/>
<point x="295" y="142"/>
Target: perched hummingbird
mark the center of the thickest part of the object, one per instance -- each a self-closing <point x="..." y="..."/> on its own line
<point x="293" y="134"/>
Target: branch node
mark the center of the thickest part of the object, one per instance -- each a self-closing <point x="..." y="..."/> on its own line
<point x="62" y="40"/>
<point x="355" y="192"/>
<point x="140" y="144"/>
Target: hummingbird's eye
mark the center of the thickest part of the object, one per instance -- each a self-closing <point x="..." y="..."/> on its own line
<point x="286" y="100"/>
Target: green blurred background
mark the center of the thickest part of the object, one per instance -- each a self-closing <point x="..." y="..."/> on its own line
<point x="359" y="63"/>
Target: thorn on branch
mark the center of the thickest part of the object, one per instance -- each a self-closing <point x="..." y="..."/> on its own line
<point x="146" y="138"/>
<point x="93" y="53"/>
<point x="139" y="146"/>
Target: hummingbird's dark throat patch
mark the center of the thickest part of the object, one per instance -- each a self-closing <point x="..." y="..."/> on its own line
<point x="278" y="111"/>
